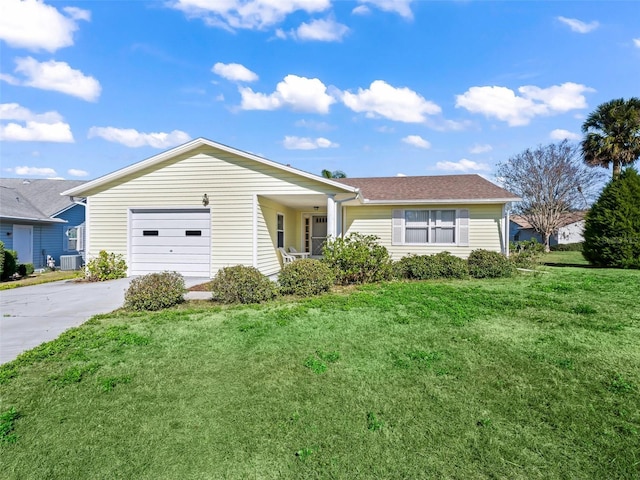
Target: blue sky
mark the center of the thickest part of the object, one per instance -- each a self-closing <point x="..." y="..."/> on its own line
<point x="370" y="87"/>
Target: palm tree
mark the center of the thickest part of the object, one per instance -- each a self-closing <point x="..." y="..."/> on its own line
<point x="612" y="134"/>
<point x="334" y="174"/>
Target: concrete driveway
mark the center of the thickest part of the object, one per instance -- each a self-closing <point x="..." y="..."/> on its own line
<point x="37" y="314"/>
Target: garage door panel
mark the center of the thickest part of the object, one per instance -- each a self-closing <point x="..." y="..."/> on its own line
<point x="164" y="249"/>
<point x="170" y="240"/>
<point x="180" y="223"/>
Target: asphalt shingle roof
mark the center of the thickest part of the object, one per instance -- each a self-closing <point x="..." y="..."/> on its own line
<point x="437" y="188"/>
<point x="34" y="198"/>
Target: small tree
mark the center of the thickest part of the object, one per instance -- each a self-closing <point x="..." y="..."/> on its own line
<point x="335" y="174"/>
<point x="552" y="181"/>
<point x="612" y="226"/>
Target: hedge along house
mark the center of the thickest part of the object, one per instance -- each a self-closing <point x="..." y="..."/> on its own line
<point x="36" y="221"/>
<point x="202" y="206"/>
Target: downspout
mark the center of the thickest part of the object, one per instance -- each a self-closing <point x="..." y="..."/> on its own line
<point x="342" y="207"/>
<point x="507" y="211"/>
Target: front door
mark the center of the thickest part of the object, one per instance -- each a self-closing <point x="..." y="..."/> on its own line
<point x="318" y="233"/>
<point x="23" y="243"/>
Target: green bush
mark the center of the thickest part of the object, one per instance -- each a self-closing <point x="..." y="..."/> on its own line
<point x="567" y="247"/>
<point x="526" y="253"/>
<point x="9" y="264"/>
<point x="427" y="267"/>
<point x="107" y="266"/>
<point x="155" y="291"/>
<point x="612" y="225"/>
<point x="488" y="264"/>
<point x="357" y="258"/>
<point x="25" y="269"/>
<point x="305" y="277"/>
<point x="242" y="284"/>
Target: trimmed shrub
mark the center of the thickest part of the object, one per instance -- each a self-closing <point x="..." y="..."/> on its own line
<point x="488" y="264"/>
<point x="305" y="277"/>
<point x="9" y="264"/>
<point x="427" y="267"/>
<point x="106" y="266"/>
<point x="612" y="225"/>
<point x="242" y="284"/>
<point x="155" y="291"/>
<point x="526" y="253"/>
<point x="25" y="269"/>
<point x="357" y="258"/>
<point x="567" y="247"/>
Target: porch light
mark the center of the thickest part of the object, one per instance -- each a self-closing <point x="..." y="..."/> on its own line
<point x="316" y="208"/>
<point x="205" y="200"/>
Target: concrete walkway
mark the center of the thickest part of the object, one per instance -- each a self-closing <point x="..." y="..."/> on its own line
<point x="39" y="313"/>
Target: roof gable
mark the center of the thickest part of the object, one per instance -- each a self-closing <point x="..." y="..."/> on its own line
<point x="123" y="173"/>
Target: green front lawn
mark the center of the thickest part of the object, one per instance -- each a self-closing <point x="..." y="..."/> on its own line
<point x="38" y="278"/>
<point x="532" y="377"/>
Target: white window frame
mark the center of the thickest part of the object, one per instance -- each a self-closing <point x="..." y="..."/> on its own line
<point x="69" y="239"/>
<point x="278" y="230"/>
<point x="460" y="226"/>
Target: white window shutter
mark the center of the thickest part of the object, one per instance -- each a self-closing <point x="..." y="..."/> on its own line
<point x="80" y="239"/>
<point x="463" y="227"/>
<point x="398" y="227"/>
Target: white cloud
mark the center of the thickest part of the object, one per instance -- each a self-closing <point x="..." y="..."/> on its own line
<point x="34" y="127"/>
<point x="33" y="25"/>
<point x="306" y="143"/>
<point x="313" y="125"/>
<point x="561" y="134"/>
<point x="249" y="14"/>
<point x="416" y="141"/>
<point x="579" y="26"/>
<point x="401" y="7"/>
<point x="503" y="103"/>
<point x="298" y="93"/>
<point x="361" y="10"/>
<point x="322" y="31"/>
<point x="56" y="76"/>
<point x="234" y="72"/>
<point x="132" y="138"/>
<point x="58" y="132"/>
<point x="462" y="165"/>
<point x="480" y="148"/>
<point x="37" y="171"/>
<point x="636" y="42"/>
<point x="74" y="172"/>
<point x="78" y="13"/>
<point x="400" y="175"/>
<point x="383" y="100"/>
<point x="14" y="111"/>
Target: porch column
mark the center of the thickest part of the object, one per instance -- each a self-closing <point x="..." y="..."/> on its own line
<point x="332" y="230"/>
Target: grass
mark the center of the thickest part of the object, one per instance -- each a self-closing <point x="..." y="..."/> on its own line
<point x="38" y="278"/>
<point x="525" y="378"/>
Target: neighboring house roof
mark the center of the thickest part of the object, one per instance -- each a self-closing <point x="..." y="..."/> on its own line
<point x="567" y="219"/>
<point x="422" y="189"/>
<point x="192" y="145"/>
<point x="36" y="200"/>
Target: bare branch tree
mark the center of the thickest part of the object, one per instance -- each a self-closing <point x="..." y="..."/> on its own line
<point x="552" y="181"/>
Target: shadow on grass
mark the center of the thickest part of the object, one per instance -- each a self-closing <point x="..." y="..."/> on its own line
<point x="574" y="265"/>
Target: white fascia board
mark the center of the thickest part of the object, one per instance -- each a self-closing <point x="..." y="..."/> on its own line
<point x="33" y="220"/>
<point x="193" y="144"/>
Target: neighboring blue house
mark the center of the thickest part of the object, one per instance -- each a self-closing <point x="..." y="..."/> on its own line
<point x="570" y="230"/>
<point x="36" y="221"/>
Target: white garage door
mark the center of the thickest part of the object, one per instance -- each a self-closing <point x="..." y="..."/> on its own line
<point x="171" y="240"/>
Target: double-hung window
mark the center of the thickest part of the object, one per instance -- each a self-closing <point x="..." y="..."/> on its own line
<point x="280" y="230"/>
<point x="73" y="239"/>
<point x="425" y="227"/>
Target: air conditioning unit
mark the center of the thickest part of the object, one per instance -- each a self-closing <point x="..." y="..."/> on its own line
<point x="70" y="262"/>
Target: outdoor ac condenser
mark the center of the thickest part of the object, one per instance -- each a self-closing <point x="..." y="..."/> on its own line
<point x="70" y="262"/>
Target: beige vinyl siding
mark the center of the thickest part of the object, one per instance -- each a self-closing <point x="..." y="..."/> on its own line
<point x="229" y="181"/>
<point x="484" y="228"/>
<point x="269" y="261"/>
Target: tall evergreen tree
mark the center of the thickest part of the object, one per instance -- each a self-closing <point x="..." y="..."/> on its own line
<point x="612" y="226"/>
